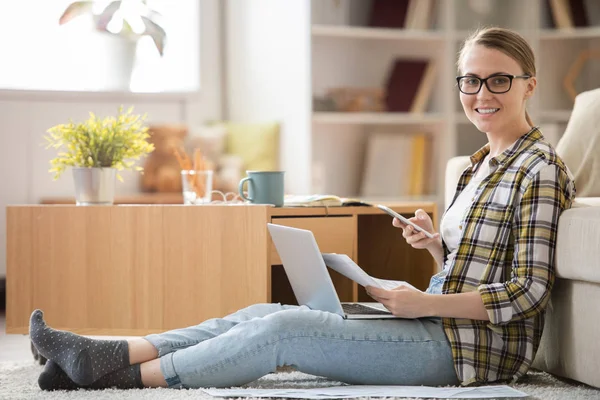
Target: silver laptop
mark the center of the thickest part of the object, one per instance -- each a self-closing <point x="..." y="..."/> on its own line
<point x="309" y="278"/>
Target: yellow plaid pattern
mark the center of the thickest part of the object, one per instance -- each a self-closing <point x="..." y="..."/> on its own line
<point x="506" y="253"/>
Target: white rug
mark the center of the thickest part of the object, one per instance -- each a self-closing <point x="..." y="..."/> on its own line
<point x="19" y="381"/>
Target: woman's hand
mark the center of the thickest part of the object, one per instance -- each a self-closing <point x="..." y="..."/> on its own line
<point x="403" y="301"/>
<point x="418" y="240"/>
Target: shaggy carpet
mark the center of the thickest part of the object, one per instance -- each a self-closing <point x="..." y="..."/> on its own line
<point x="19" y="381"/>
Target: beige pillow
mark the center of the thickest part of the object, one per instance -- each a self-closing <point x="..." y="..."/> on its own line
<point x="256" y="143"/>
<point x="579" y="147"/>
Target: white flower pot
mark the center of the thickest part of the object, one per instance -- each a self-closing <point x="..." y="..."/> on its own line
<point x="118" y="62"/>
<point x="94" y="186"/>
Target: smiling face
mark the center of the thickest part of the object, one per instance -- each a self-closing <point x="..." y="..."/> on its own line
<point x="492" y="113"/>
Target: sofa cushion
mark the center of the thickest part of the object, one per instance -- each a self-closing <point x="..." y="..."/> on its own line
<point x="586" y="202"/>
<point x="577" y="248"/>
<point x="579" y="146"/>
<point x="454" y="169"/>
<point x="256" y="143"/>
<point x="569" y="346"/>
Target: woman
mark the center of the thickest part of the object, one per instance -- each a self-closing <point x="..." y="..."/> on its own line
<point x="480" y="320"/>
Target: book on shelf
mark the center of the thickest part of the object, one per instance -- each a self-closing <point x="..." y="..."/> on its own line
<point x="389" y="13"/>
<point x="566" y="14"/>
<point x="421" y="99"/>
<point x="578" y="13"/>
<point x="407" y="14"/>
<point x="396" y="165"/>
<point x="321" y="200"/>
<point x="592" y="12"/>
<point x="419" y="13"/>
<point x="561" y="14"/>
<point x="419" y="170"/>
<point x="409" y="85"/>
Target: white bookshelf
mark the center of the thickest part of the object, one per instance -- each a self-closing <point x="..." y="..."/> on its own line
<point x="451" y="131"/>
<point x="342" y="51"/>
<point x="388" y="118"/>
<point x="577" y="33"/>
<point x="357" y="32"/>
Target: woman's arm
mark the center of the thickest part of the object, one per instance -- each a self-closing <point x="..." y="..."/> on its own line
<point x="532" y="270"/>
<point x="437" y="252"/>
<point x="460" y="305"/>
<point x="410" y="303"/>
<point x="419" y="240"/>
<point x="535" y="228"/>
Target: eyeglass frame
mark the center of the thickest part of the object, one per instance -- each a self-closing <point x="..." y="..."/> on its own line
<point x="484" y="81"/>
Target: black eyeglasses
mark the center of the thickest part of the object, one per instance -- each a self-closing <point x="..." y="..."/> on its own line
<point x="500" y="83"/>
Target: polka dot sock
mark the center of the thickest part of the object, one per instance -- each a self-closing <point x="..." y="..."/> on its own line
<point x="54" y="378"/>
<point x="83" y="359"/>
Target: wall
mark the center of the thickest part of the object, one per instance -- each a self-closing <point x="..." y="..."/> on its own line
<point x="267" y="71"/>
<point x="25" y="117"/>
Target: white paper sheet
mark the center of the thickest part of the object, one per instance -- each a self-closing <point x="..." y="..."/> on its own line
<point x="345" y="266"/>
<point x="336" y="392"/>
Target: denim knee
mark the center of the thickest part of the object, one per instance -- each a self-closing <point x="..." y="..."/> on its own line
<point x="297" y="322"/>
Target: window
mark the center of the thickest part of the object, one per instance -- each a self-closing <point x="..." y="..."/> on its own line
<point x="39" y="54"/>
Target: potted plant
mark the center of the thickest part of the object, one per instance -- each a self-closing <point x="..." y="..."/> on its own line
<point x="96" y="149"/>
<point x="124" y="22"/>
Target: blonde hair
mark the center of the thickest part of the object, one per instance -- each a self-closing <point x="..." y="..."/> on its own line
<point x="508" y="42"/>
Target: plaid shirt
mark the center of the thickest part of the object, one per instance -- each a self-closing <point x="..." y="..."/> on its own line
<point x="506" y="252"/>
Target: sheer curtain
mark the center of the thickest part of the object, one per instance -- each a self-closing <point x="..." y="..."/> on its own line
<point x="38" y="54"/>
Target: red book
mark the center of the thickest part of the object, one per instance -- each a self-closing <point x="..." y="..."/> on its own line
<point x="389" y="13"/>
<point x="403" y="84"/>
<point x="579" y="13"/>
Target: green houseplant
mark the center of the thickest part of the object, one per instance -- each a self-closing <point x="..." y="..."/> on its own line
<point x="95" y="149"/>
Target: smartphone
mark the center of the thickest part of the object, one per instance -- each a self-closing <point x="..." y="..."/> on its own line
<point x="404" y="220"/>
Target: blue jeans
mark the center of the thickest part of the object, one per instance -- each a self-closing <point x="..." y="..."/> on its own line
<point x="254" y="341"/>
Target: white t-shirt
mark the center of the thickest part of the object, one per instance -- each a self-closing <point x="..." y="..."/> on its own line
<point x="451" y="224"/>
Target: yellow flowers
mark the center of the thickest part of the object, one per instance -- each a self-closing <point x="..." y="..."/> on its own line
<point x="112" y="142"/>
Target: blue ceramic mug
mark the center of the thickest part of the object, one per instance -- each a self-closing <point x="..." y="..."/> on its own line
<point x="264" y="187"/>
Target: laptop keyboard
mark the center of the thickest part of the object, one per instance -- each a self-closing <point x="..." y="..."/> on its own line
<point x="353" y="308"/>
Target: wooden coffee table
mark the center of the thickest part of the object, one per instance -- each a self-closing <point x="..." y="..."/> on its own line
<point x="138" y="269"/>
